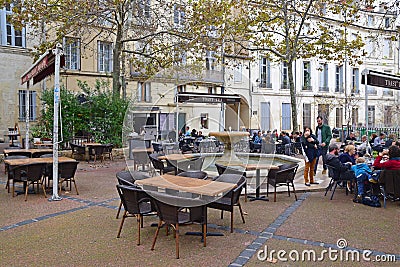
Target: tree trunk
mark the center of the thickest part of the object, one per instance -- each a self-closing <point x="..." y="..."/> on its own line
<point x="116" y="62"/>
<point x="292" y="95"/>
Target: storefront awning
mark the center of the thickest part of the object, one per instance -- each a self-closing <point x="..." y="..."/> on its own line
<point x="381" y="79"/>
<point x="42" y="68"/>
<point x="186" y="97"/>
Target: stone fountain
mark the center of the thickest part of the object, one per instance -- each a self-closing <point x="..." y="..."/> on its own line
<point x="229" y="138"/>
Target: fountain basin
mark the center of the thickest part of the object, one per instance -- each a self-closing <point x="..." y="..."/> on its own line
<point x="229" y="138"/>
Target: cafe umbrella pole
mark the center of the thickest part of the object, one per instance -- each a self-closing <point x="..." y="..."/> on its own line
<point x="57" y="52"/>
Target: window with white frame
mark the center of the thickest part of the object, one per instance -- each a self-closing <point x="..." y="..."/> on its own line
<point x="388" y="116"/>
<point x="105" y="57"/>
<point x="181" y="88"/>
<point x="354" y="116"/>
<point x="212" y="90"/>
<point x="371" y="116"/>
<point x="387" y="91"/>
<point x="323" y="78"/>
<point x="339" y="79"/>
<point x="285" y="79"/>
<point x="306" y="115"/>
<point x="323" y="111"/>
<point x="179" y="16"/>
<point x="339" y="117"/>
<point x="387" y="23"/>
<point x="265" y="73"/>
<point x="370" y="20"/>
<point x="265" y="110"/>
<point x="144" y="92"/>
<point x="237" y="75"/>
<point x="355" y="81"/>
<point x="180" y="57"/>
<point x="144" y="8"/>
<point x="370" y="46"/>
<point x="22" y="101"/>
<point x="9" y="35"/>
<point x="72" y="53"/>
<point x="307" y="75"/>
<point x="387" y="48"/>
<point x="286" y="116"/>
<point x="210" y="60"/>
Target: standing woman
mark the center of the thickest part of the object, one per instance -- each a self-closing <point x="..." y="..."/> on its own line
<point x="309" y="143"/>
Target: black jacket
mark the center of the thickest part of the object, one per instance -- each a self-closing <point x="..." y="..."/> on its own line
<point x="340" y="170"/>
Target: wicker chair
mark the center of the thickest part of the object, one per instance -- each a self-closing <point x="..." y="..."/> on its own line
<point x="28" y="174"/>
<point x="284" y="176"/>
<point x="159" y="165"/>
<point x="67" y="172"/>
<point x="221" y="169"/>
<point x="136" y="204"/>
<point x="6" y="168"/>
<point x="127" y="178"/>
<point x="231" y="199"/>
<point x="169" y="210"/>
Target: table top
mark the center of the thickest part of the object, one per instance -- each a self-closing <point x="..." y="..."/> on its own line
<point x="148" y="150"/>
<point x="16" y="162"/>
<point x="255" y="166"/>
<point x="30" y="150"/>
<point x="197" y="186"/>
<point x="176" y="157"/>
<point x="93" y="144"/>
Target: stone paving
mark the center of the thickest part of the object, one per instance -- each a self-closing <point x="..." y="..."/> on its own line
<point x="80" y="230"/>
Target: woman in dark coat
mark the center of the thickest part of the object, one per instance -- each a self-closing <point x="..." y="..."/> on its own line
<point x="309" y="143"/>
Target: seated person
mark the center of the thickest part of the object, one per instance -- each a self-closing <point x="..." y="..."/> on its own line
<point x="393" y="163"/>
<point x="378" y="142"/>
<point x="258" y="138"/>
<point x="373" y="136"/>
<point x="349" y="155"/>
<point x="340" y="170"/>
<point x="193" y="133"/>
<point x="188" y="132"/>
<point x="390" y="141"/>
<point x="296" y="137"/>
<point x="351" y="138"/>
<point x="362" y="173"/>
<point x="285" y="138"/>
<point x="362" y="149"/>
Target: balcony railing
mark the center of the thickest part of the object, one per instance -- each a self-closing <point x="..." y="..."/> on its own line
<point x="265" y="85"/>
<point x="307" y="88"/>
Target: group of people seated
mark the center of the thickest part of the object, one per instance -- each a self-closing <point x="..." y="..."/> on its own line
<point x="352" y="166"/>
<point x="281" y="140"/>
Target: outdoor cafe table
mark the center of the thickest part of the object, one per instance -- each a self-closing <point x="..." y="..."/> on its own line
<point x="175" y="158"/>
<point x="190" y="185"/>
<point x="17" y="162"/>
<point x="30" y="150"/>
<point x="257" y="168"/>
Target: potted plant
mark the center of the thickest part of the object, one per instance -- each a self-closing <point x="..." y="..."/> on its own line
<point x="40" y="133"/>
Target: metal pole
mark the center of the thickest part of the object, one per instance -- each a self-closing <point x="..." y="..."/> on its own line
<point x="177" y="116"/>
<point x="57" y="52"/>
<point x="366" y="104"/>
<point x="238" y="121"/>
<point x="27" y="117"/>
